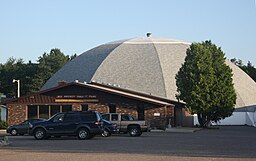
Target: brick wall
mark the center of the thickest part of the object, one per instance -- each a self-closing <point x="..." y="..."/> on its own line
<point x="76" y="107"/>
<point x="161" y="121"/>
<point x="131" y="112"/>
<point x="188" y="119"/>
<point x="101" y="108"/>
<point x="16" y="113"/>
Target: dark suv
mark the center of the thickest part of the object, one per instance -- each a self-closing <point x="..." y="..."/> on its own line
<point x="83" y="124"/>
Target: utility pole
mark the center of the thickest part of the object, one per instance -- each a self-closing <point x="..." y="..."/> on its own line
<point x="18" y="90"/>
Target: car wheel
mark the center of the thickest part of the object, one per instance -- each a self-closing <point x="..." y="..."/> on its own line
<point x="14" y="132"/>
<point x="83" y="134"/>
<point x="105" y="133"/>
<point x="40" y="134"/>
<point x="134" y="131"/>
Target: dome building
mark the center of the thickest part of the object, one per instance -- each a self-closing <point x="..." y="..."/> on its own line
<point x="134" y="76"/>
<point x="144" y="64"/>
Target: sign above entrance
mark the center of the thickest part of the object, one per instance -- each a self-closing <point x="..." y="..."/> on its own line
<point x="76" y="98"/>
<point x="156" y="114"/>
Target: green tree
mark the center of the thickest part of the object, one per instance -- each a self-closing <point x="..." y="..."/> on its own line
<point x="249" y="68"/>
<point x="16" y="69"/>
<point x="49" y="63"/>
<point x="204" y="82"/>
<point x="9" y="71"/>
<point x="31" y="75"/>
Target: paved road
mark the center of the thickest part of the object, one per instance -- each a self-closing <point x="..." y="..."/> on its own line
<point x="226" y="142"/>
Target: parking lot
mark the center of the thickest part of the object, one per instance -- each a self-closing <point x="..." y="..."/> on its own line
<point x="225" y="142"/>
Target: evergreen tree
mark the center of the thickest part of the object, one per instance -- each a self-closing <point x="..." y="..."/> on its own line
<point x="249" y="68"/>
<point x="204" y="82"/>
<point x="48" y="65"/>
<point x="31" y="75"/>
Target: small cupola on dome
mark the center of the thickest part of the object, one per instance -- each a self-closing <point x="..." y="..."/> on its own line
<point x="149" y="34"/>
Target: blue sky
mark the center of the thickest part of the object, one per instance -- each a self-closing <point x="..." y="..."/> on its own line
<point x="29" y="28"/>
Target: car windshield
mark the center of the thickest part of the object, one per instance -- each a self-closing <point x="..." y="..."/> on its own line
<point x="98" y="116"/>
<point x="25" y="122"/>
<point x="53" y="116"/>
<point x="58" y="118"/>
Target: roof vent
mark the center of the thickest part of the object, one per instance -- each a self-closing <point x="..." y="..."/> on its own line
<point x="61" y="83"/>
<point x="149" y="34"/>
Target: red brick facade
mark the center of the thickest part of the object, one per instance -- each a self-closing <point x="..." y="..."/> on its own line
<point x="16" y="113"/>
<point x="76" y="107"/>
<point x="101" y="108"/>
<point x="19" y="113"/>
<point x="159" y="117"/>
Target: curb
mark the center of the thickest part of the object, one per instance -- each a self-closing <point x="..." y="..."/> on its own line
<point x="2" y="131"/>
<point x="4" y="141"/>
<point x="177" y="130"/>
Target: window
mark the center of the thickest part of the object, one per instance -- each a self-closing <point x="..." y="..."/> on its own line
<point x="44" y="111"/>
<point x="25" y="122"/>
<point x="66" y="108"/>
<point x="85" y="107"/>
<point x="105" y="117"/>
<point x="88" y="117"/>
<point x="58" y="118"/>
<point x="32" y="111"/>
<point x="126" y="118"/>
<point x="55" y="109"/>
<point x="112" y="108"/>
<point x="98" y="116"/>
<point x="114" y="117"/>
<point x="71" y="117"/>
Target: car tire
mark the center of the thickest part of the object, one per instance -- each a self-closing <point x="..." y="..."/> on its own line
<point x="83" y="134"/>
<point x="39" y="134"/>
<point x="14" y="132"/>
<point x="134" y="131"/>
<point x="105" y="133"/>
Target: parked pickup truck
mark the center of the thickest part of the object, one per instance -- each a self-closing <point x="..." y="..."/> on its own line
<point x="126" y="123"/>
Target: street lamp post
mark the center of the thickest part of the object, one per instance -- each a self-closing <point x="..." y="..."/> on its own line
<point x="18" y="90"/>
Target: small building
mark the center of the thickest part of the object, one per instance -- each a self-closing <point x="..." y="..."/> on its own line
<point x="156" y="111"/>
<point x="241" y="116"/>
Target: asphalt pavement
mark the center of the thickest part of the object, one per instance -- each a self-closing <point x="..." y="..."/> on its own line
<point x="223" y="142"/>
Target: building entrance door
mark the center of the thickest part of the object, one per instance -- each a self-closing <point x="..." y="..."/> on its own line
<point x="178" y="116"/>
<point x="112" y="108"/>
<point x="141" y="112"/>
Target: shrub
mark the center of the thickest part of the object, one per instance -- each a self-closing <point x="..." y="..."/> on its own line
<point x="3" y="124"/>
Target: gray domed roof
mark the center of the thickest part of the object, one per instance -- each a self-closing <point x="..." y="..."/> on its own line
<point x="146" y="65"/>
